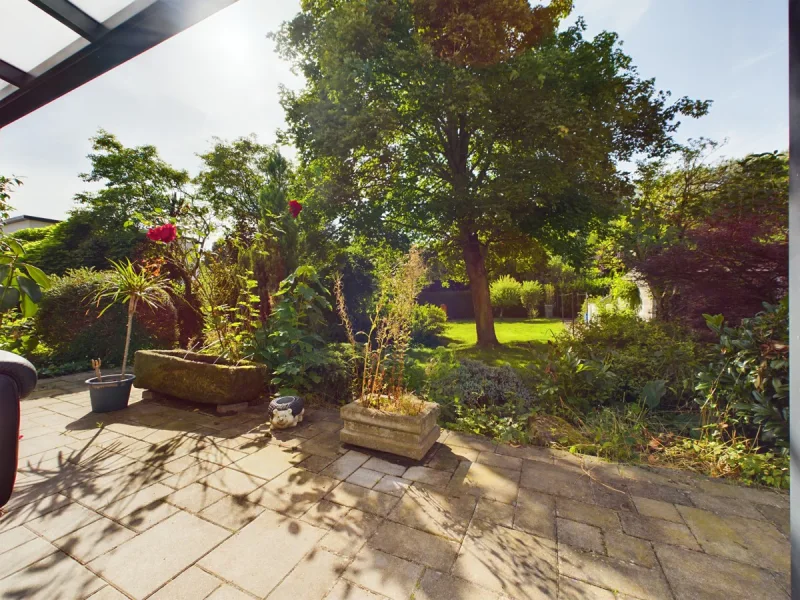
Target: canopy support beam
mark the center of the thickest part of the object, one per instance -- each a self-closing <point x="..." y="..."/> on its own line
<point x="73" y="17"/>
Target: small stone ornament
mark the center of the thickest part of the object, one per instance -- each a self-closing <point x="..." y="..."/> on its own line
<point x="286" y="411"/>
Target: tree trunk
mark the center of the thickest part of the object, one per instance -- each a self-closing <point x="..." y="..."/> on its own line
<point x="131" y="310"/>
<point x="475" y="259"/>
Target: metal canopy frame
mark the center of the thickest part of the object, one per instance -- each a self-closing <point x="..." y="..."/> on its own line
<point x="110" y="44"/>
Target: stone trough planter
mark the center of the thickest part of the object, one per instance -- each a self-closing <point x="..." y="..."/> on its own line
<point x="405" y="435"/>
<point x="198" y="377"/>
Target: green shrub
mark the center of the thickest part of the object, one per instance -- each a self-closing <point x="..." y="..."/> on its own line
<point x="67" y="322"/>
<point x="549" y="293"/>
<point x="738" y="459"/>
<point x="33" y="234"/>
<point x="567" y="383"/>
<point x="747" y="381"/>
<point x="428" y="324"/>
<point x="472" y="383"/>
<point x="627" y="292"/>
<point x="504" y="423"/>
<point x="290" y="344"/>
<point x="79" y="242"/>
<point x="476" y="398"/>
<point x="336" y="371"/>
<point x="531" y="295"/>
<point x="505" y="293"/>
<point x="68" y="368"/>
<point x="17" y="334"/>
<point x="612" y="359"/>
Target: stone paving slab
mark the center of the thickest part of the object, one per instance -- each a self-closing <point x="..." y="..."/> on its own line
<point x="486" y="560"/>
<point x="698" y="576"/>
<point x="192" y="583"/>
<point x="65" y="579"/>
<point x="93" y="540"/>
<point x="385" y="574"/>
<point x="313" y="576"/>
<point x="258" y="571"/>
<point x="164" y="501"/>
<point x="413" y="544"/>
<point x="146" y="562"/>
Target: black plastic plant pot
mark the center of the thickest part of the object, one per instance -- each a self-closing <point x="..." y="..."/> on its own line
<point x="111" y="393"/>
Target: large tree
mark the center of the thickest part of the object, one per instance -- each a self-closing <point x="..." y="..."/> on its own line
<point x="468" y="122"/>
<point x="234" y="176"/>
<point x="136" y="181"/>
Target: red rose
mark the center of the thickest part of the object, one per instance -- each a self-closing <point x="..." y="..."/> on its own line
<point x="163" y="233"/>
<point x="294" y="208"/>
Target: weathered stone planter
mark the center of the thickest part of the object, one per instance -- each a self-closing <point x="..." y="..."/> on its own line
<point x="405" y="435"/>
<point x="198" y="377"/>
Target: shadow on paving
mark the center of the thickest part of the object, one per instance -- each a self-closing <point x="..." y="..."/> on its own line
<point x="473" y="520"/>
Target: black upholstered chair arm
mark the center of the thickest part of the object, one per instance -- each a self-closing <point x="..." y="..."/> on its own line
<point x="20" y="370"/>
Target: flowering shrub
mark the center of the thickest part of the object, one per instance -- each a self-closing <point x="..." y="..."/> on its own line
<point x="163" y="233"/>
<point x="295" y="207"/>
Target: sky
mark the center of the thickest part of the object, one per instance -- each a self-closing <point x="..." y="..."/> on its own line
<point x="221" y="79"/>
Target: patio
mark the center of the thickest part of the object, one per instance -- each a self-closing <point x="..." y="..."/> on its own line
<point x="165" y="501"/>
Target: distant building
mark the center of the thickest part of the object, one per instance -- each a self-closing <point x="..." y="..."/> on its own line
<point x="26" y="222"/>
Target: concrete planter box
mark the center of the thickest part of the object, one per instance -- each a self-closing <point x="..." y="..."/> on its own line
<point x="198" y="377"/>
<point x="405" y="435"/>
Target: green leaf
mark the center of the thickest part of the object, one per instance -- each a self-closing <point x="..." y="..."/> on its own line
<point x="15" y="246"/>
<point x="39" y="276"/>
<point x="30" y="288"/>
<point x="653" y="392"/>
<point x="4" y="272"/>
<point x="28" y="306"/>
<point x="9" y="298"/>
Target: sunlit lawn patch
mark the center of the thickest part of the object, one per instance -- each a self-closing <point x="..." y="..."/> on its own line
<point x="517" y="338"/>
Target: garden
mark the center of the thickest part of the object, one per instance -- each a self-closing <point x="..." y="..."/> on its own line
<point x="305" y="277"/>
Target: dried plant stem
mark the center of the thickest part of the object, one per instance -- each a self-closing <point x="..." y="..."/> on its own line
<point x="389" y="336"/>
<point x="96" y="363"/>
<point x="341" y="307"/>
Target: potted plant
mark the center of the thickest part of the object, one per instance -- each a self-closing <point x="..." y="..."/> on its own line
<point x="385" y="415"/>
<point x="134" y="287"/>
<point x="549" y="300"/>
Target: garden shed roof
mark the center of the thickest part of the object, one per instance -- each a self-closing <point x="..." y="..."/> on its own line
<point x="50" y="47"/>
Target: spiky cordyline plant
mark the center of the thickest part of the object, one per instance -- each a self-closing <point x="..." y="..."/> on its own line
<point x="132" y="286"/>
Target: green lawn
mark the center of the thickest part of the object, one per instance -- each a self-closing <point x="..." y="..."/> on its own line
<point x="517" y="336"/>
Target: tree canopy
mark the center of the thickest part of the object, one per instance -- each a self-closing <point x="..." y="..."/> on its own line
<point x="709" y="236"/>
<point x="412" y="128"/>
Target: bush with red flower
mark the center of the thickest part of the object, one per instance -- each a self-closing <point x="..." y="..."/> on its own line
<point x="163" y="233"/>
<point x="294" y="208"/>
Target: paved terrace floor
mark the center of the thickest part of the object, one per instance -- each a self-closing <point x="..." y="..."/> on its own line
<point x="169" y="502"/>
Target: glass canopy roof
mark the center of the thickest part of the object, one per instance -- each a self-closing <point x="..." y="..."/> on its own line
<point x="50" y="47"/>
